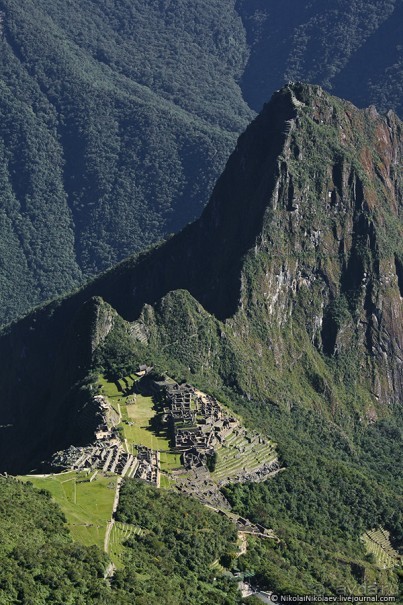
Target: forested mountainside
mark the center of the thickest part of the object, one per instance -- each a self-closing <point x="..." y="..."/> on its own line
<point x="117" y="117"/>
<point x="113" y="131"/>
<point x="285" y="300"/>
<point x="354" y="49"/>
<point x="41" y="565"/>
<point x="301" y="242"/>
<point x="39" y="561"/>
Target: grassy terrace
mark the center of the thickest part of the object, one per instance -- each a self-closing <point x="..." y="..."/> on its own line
<point x="141" y="421"/>
<point x="116" y="392"/>
<point x="146" y="429"/>
<point x="87" y="506"/>
<point x="238" y="455"/>
<point x="378" y="543"/>
<point x="169" y="461"/>
<point x="119" y="534"/>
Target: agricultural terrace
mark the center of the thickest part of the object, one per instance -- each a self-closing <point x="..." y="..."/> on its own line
<point x="119" y="534"/>
<point x="377" y="542"/>
<point x="141" y="420"/>
<point x="242" y="452"/>
<point x="86" y="505"/>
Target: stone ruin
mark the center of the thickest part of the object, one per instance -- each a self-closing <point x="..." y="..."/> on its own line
<point x="199" y="426"/>
<point x="198" y="421"/>
<point x="107" y="453"/>
<point x="111" y="457"/>
<point x="197" y="482"/>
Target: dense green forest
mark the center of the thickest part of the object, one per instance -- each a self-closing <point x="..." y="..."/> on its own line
<point x="336" y="486"/>
<point x="39" y="563"/>
<point x="113" y="131"/>
<point x="170" y="563"/>
<point x="352" y="48"/>
<point x="117" y="117"/>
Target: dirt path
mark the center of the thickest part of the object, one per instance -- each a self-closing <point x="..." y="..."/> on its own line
<point x="243" y="543"/>
<point x="158" y="469"/>
<point x="111" y="523"/>
<point x="109" y="527"/>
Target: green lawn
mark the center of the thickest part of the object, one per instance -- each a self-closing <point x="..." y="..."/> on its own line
<point x="87" y="506"/>
<point x="166" y="482"/>
<point x="170" y="461"/>
<point x="145" y="425"/>
<point x="145" y="429"/>
<point x="114" y="391"/>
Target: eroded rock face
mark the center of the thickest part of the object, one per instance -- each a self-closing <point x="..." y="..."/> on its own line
<point x="330" y="251"/>
<point x="103" y="323"/>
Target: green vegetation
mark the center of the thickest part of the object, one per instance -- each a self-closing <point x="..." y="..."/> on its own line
<point x="141" y="421"/>
<point x="39" y="563"/>
<point x="144" y="430"/>
<point x="118" y="387"/>
<point x="119" y="357"/>
<point x="120" y="534"/>
<point x="113" y="121"/>
<point x="171" y="561"/>
<point x="337" y="484"/>
<point x="170" y="461"/>
<point x="166" y="543"/>
<point x="271" y="324"/>
<point x="114" y="130"/>
<point x="342" y="35"/>
<point x="331" y="492"/>
<point x="86" y="505"/>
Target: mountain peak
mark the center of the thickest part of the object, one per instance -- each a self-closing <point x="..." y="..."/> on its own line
<point x="297" y="259"/>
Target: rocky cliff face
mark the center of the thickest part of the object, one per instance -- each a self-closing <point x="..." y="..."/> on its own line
<point x="300" y="248"/>
<point x="289" y="287"/>
<point x="329" y="253"/>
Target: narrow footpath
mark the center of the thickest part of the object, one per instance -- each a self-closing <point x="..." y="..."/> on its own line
<point x="111" y="523"/>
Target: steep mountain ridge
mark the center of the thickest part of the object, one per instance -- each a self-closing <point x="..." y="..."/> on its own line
<point x="117" y="116"/>
<point x="288" y="288"/>
<point x="323" y="276"/>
